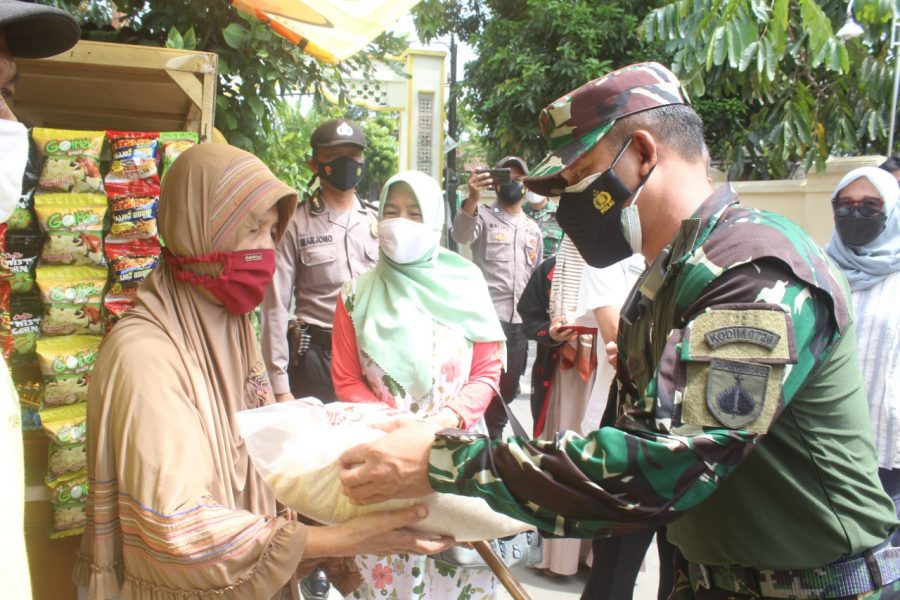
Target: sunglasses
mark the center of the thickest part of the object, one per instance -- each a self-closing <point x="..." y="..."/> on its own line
<point x="867" y="207"/>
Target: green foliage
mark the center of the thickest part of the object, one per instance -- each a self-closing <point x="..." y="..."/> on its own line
<point x="776" y="65"/>
<point x="256" y="65"/>
<point x="530" y="52"/>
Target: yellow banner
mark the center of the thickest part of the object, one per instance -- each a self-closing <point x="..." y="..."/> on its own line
<point x="330" y="30"/>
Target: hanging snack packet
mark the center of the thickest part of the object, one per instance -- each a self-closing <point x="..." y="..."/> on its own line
<point x="74" y="227"/>
<point x="25" y="314"/>
<point x="66" y="363"/>
<point x="5" y="273"/>
<point x="29" y="382"/>
<point x="22" y="251"/>
<point x="73" y="297"/>
<point x="133" y="219"/>
<point x="129" y="265"/>
<point x="66" y="424"/>
<point x="133" y="170"/>
<point x="69" y="499"/>
<point x="72" y="160"/>
<point x="22" y="216"/>
<point x="173" y="144"/>
<point x="65" y="461"/>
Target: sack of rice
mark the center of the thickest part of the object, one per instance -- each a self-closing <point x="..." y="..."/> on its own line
<point x="296" y="445"/>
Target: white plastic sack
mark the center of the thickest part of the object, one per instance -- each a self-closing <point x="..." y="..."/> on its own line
<point x="296" y="445"/>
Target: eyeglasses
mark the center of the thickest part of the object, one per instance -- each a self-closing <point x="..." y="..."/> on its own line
<point x="869" y="206"/>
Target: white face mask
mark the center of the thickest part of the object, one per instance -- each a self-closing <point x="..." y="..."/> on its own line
<point x="404" y="241"/>
<point x="631" y="224"/>
<point x="532" y="198"/>
<point x="13" y="157"/>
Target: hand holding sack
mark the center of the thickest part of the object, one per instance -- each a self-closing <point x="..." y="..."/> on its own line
<point x="295" y="446"/>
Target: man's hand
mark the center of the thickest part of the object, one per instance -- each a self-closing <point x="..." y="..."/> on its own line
<point x="394" y="466"/>
<point x="556" y="335"/>
<point x="478" y="182"/>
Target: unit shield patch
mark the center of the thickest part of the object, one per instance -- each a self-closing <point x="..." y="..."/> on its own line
<point x="736" y="391"/>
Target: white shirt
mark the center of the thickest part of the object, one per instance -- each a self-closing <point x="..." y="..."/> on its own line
<point x="608" y="286"/>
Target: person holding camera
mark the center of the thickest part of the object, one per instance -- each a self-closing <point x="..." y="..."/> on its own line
<point x="506" y="246"/>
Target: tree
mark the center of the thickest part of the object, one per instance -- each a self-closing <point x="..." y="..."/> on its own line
<point x="803" y="93"/>
<point x="256" y="65"/>
<point x="530" y="52"/>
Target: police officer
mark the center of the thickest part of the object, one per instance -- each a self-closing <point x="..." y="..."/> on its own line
<point x="331" y="240"/>
<point x="738" y="415"/>
<point x="506" y="246"/>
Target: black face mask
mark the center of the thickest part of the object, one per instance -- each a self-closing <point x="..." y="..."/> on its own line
<point x="857" y="230"/>
<point x="344" y="173"/>
<point x="511" y="192"/>
<point x="592" y="217"/>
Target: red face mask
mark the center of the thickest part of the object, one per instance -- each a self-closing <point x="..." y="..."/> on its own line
<point x="242" y="284"/>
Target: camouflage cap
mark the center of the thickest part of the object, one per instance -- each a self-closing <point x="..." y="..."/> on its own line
<point x="575" y="123"/>
<point x="336" y="132"/>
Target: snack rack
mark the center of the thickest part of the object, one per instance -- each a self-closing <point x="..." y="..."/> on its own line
<point x="101" y="86"/>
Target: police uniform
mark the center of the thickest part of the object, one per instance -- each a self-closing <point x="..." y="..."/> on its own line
<point x="506" y="248"/>
<point x="321" y="250"/>
<point x="738" y="416"/>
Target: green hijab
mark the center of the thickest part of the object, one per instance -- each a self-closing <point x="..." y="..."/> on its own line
<point x="396" y="306"/>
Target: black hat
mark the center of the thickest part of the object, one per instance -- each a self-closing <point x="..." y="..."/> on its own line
<point x="515" y="160"/>
<point x="35" y="30"/>
<point x="336" y="132"/>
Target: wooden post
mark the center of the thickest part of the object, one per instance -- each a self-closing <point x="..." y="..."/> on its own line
<point x="502" y="572"/>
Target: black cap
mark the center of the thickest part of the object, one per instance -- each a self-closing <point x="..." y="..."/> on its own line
<point x="507" y="160"/>
<point x="336" y="132"/>
<point x="35" y="30"/>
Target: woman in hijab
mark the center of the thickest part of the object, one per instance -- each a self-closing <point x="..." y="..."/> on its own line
<point x="866" y="246"/>
<point x="176" y="510"/>
<point x="419" y="333"/>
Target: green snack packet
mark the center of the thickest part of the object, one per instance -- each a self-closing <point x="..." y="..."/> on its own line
<point x="173" y="144"/>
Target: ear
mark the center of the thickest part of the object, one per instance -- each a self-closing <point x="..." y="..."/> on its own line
<point x="313" y="164"/>
<point x="644" y="142"/>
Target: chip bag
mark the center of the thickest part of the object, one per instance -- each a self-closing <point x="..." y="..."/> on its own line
<point x="66" y="424"/>
<point x="74" y="227"/>
<point x="133" y="219"/>
<point x="22" y="217"/>
<point x="66" y="363"/>
<point x="173" y="144"/>
<point x="65" y="461"/>
<point x="25" y="314"/>
<point x="29" y="382"/>
<point x="133" y="170"/>
<point x="71" y="160"/>
<point x="22" y="251"/>
<point x="73" y="299"/>
<point x="31" y="418"/>
<point x="69" y="499"/>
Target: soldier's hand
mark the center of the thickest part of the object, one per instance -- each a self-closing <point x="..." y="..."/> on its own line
<point x="612" y="354"/>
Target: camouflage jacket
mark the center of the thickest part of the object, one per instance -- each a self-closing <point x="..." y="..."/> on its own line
<point x="550" y="229"/>
<point x="746" y="309"/>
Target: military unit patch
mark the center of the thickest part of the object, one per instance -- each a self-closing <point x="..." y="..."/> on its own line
<point x="736" y="391"/>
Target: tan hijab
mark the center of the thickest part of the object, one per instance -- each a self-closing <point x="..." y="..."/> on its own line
<point x="175" y="504"/>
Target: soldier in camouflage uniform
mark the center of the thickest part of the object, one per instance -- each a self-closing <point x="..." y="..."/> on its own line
<point x="543" y="211"/>
<point x="738" y="415"/>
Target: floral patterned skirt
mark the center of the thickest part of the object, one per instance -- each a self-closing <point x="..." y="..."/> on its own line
<point x="415" y="577"/>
